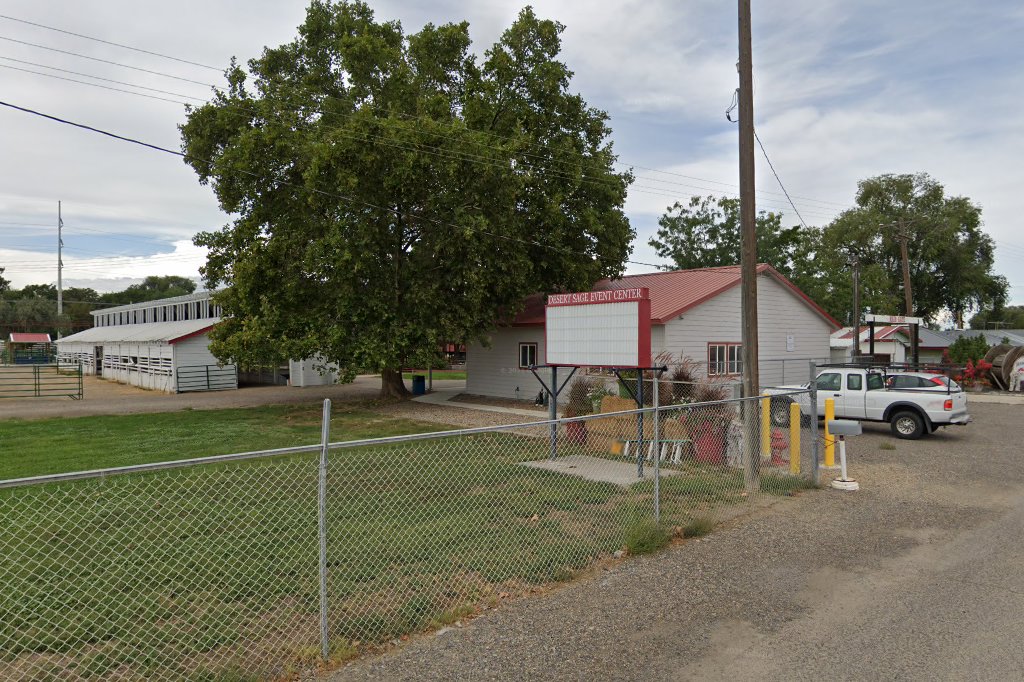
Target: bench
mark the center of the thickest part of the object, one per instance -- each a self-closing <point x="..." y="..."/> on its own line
<point x="672" y="446"/>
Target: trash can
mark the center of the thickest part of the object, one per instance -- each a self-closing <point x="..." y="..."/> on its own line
<point x="419" y="384"/>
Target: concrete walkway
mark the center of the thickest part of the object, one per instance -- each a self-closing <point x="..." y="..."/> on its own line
<point x="444" y="397"/>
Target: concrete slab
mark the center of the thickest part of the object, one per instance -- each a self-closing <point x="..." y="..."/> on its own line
<point x="599" y="470"/>
<point x="444" y="396"/>
<point x="998" y="398"/>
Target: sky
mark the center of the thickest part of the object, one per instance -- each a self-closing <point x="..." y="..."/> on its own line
<point x="842" y="92"/>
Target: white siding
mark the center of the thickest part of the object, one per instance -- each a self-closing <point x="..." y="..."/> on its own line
<point x="495" y="371"/>
<point x="780" y="314"/>
<point x="307" y="373"/>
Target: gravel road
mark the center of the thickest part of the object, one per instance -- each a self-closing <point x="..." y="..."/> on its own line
<point x="918" y="576"/>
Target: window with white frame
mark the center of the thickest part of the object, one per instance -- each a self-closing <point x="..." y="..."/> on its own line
<point x="527" y="355"/>
<point x="725" y="359"/>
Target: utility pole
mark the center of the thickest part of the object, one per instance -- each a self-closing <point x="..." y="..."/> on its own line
<point x="855" y="264"/>
<point x="60" y="267"/>
<point x="903" y="237"/>
<point x="748" y="248"/>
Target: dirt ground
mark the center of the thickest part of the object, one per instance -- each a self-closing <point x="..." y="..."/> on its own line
<point x="108" y="397"/>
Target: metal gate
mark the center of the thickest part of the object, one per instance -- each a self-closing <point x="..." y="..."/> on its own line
<point x="41" y="381"/>
<point x="207" y="378"/>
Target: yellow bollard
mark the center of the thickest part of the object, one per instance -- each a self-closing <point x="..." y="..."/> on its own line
<point x="830" y="443"/>
<point x="766" y="426"/>
<point x="794" y="439"/>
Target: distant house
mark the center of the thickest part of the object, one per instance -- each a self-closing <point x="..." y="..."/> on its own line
<point x="892" y="344"/>
<point x="694" y="313"/>
<point x="164" y="345"/>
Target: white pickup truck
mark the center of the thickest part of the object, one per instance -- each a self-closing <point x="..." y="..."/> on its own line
<point x="913" y="403"/>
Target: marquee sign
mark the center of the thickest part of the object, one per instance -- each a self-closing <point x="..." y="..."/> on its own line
<point x="599" y="328"/>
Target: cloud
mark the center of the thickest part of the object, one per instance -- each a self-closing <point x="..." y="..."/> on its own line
<point x="843" y="91"/>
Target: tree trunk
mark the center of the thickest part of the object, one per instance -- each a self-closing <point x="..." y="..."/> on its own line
<point x="392" y="385"/>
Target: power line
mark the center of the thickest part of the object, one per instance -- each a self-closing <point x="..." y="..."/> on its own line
<point x="95" y="85"/>
<point x="108" y="42"/>
<point x="464" y="156"/>
<point x="637" y="188"/>
<point x="778" y="179"/>
<point x="106" y="61"/>
<point x="101" y="78"/>
<point x="178" y="59"/>
<point x="290" y="184"/>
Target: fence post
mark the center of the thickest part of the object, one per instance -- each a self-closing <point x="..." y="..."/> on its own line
<point x="553" y="413"/>
<point x="815" y="457"/>
<point x="657" y="451"/>
<point x="640" y="424"/>
<point x="325" y="440"/>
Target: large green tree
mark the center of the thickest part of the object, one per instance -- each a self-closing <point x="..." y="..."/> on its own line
<point x="1004" y="317"/>
<point x="706" y="233"/>
<point x="5" y="284"/>
<point x="150" y="289"/>
<point x="393" y="191"/>
<point x="951" y="258"/>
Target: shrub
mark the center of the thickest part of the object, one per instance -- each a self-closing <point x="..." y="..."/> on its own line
<point x="968" y="349"/>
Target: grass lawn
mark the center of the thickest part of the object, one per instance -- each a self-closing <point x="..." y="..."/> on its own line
<point x="210" y="573"/>
<point x="450" y="374"/>
<point x="53" y="446"/>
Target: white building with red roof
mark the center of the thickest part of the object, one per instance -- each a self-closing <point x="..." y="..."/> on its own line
<point x="694" y="314"/>
<point x="892" y="344"/>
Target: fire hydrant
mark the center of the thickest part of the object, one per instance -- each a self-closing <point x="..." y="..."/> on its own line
<point x="778" y="444"/>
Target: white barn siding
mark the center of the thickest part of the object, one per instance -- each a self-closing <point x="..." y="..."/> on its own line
<point x="75" y="353"/>
<point x="195" y="352"/>
<point x="144" y="365"/>
<point x="495" y="371"/>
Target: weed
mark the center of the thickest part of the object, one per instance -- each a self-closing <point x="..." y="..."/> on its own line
<point x="783" y="484"/>
<point x="886" y="446"/>
<point x="698" y="527"/>
<point x="647" y="536"/>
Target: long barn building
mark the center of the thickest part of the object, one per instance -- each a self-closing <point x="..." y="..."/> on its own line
<point x="163" y="345"/>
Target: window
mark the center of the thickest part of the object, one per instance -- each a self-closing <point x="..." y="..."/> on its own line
<point x="830" y="382"/>
<point x="725" y="359"/>
<point x="875" y="382"/>
<point x="854" y="382"/>
<point x="527" y="355"/>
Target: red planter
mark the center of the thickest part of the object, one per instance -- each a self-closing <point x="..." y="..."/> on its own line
<point x="709" y="446"/>
<point x="576" y="433"/>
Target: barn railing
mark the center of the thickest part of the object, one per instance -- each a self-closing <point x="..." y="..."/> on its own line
<point x="207" y="378"/>
<point x="41" y="381"/>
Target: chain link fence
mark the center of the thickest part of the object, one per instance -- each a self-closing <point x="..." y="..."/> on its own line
<point x="274" y="564"/>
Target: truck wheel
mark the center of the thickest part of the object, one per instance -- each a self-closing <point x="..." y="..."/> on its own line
<point x="908" y="425"/>
<point x="779" y="412"/>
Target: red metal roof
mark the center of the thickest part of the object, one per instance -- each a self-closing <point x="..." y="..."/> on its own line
<point x="28" y="337"/>
<point x="675" y="292"/>
<point x="880" y="332"/>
